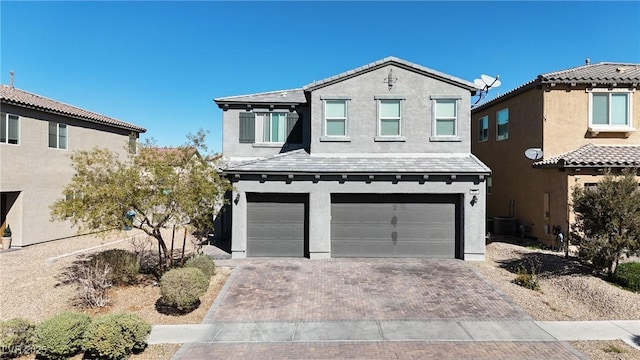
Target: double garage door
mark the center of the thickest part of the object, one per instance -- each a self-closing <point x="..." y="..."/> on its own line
<point x="362" y="225"/>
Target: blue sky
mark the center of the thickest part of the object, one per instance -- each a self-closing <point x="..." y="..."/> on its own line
<point x="160" y="64"/>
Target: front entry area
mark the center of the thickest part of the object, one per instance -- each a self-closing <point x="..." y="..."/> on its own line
<point x="277" y="225"/>
<point x="395" y="225"/>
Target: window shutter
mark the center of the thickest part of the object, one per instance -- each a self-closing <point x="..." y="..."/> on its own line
<point x="3" y="127"/>
<point x="247" y="127"/>
<point x="294" y="128"/>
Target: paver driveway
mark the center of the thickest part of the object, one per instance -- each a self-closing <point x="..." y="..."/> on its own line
<point x="358" y="289"/>
<point x="314" y="309"/>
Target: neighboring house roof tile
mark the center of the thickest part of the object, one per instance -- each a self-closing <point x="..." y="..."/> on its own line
<point x="13" y="96"/>
<point x="299" y="161"/>
<point x="396" y="61"/>
<point x="604" y="73"/>
<point x="291" y="96"/>
<point x="591" y="155"/>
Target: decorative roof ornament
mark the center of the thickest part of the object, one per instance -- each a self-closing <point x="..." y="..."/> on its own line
<point x="390" y="80"/>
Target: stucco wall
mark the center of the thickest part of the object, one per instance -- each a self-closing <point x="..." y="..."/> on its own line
<point x="517" y="187"/>
<point x="417" y="113"/>
<point x="39" y="173"/>
<point x="472" y="233"/>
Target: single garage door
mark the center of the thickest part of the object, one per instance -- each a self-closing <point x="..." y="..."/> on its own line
<point x="371" y="225"/>
<point x="276" y="225"/>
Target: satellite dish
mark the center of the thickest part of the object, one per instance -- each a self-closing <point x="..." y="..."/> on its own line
<point x="533" y="153"/>
<point x="485" y="83"/>
<point x="490" y="81"/>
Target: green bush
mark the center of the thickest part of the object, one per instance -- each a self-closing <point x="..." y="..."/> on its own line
<point x="628" y="275"/>
<point x="114" y="336"/>
<point x="15" y="337"/>
<point x="527" y="273"/>
<point x="182" y="288"/>
<point x="204" y="263"/>
<point x="124" y="265"/>
<point x="60" y="337"/>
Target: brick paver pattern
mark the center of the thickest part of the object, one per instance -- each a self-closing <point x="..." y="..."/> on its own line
<point x="359" y="289"/>
<point x="383" y="350"/>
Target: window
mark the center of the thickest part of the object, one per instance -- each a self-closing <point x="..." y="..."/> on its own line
<point x="389" y="118"/>
<point x="610" y="109"/>
<point x="57" y="135"/>
<point x="445" y="117"/>
<point x="483" y="126"/>
<point x="502" y="124"/>
<point x="335" y="117"/>
<point x="489" y="185"/>
<point x="9" y="129"/>
<point x="275" y="127"/>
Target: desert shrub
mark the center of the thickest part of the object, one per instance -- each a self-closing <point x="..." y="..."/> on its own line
<point x="15" y="337"/>
<point x="204" y="263"/>
<point x="124" y="265"/>
<point x="114" y="336"/>
<point x="60" y="337"/>
<point x="93" y="280"/>
<point x="527" y="274"/>
<point x="182" y="288"/>
<point x="628" y="275"/>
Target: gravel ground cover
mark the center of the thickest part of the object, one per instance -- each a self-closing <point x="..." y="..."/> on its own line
<point x="31" y="287"/>
<point x="568" y="292"/>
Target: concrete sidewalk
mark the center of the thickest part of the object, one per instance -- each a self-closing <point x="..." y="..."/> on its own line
<point x="397" y="330"/>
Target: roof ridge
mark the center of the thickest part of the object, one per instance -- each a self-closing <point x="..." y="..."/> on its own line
<point x="260" y="93"/>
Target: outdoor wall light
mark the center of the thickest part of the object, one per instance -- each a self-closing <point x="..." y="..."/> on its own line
<point x="474" y="200"/>
<point x="237" y="199"/>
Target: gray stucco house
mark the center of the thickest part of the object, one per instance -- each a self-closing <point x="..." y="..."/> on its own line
<point x="373" y="162"/>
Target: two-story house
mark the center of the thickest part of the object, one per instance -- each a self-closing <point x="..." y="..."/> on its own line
<point x="582" y="120"/>
<point x="36" y="138"/>
<point x="372" y="162"/>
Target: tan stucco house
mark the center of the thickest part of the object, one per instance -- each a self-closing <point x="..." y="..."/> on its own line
<point x="372" y="162"/>
<point x="583" y="120"/>
<point x="36" y="138"/>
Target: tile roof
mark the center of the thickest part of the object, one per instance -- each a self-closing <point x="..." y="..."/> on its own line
<point x="17" y="97"/>
<point x="291" y="96"/>
<point x="396" y="61"/>
<point x="297" y="96"/>
<point x="604" y="73"/>
<point x="591" y="155"/>
<point x="299" y="161"/>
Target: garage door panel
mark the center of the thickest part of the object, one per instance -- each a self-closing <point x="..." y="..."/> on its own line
<point x="393" y="226"/>
<point x="275" y="227"/>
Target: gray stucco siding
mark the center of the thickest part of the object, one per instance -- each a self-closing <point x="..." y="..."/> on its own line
<point x="472" y="224"/>
<point x="414" y="90"/>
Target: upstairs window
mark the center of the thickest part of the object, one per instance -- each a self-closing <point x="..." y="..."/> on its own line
<point x="502" y="124"/>
<point x="335" y="118"/>
<point x="610" y="109"/>
<point x="57" y="135"/>
<point x="389" y="118"/>
<point x="275" y="127"/>
<point x="9" y="129"/>
<point x="483" y="126"/>
<point x="446" y="117"/>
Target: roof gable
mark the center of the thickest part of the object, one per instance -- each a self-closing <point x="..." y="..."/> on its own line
<point x="391" y="60"/>
<point x="17" y="97"/>
<point x="604" y="73"/>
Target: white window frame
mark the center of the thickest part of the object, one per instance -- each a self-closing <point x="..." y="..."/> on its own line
<point x="5" y="122"/>
<point x="483" y="134"/>
<point x="58" y="126"/>
<point x="434" y="115"/>
<point x="325" y="136"/>
<point x="596" y="128"/>
<point x="268" y="134"/>
<point x="498" y="136"/>
<point x="379" y="118"/>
